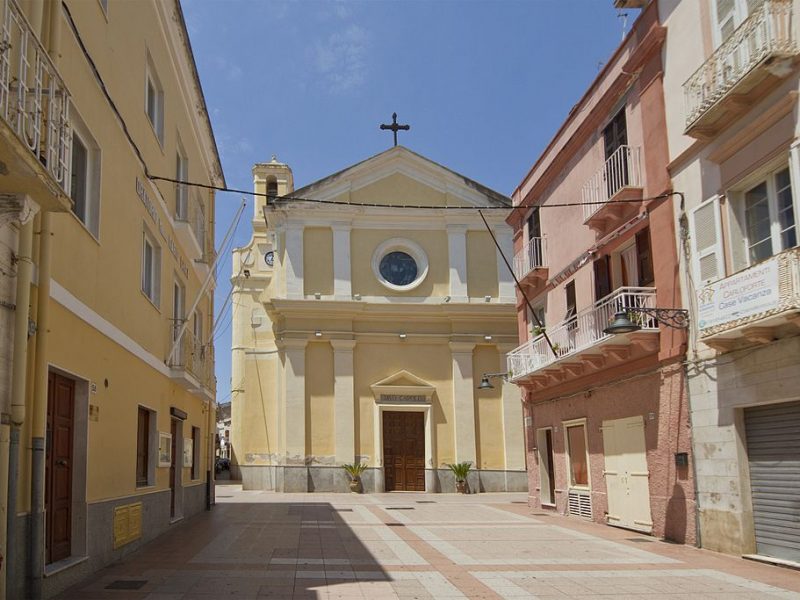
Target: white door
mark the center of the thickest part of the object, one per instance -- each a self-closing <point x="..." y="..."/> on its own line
<point x="626" y="474"/>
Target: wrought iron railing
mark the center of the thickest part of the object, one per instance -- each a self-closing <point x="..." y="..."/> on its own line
<point x="622" y="169"/>
<point x="34" y="101"/>
<point x="194" y="357"/>
<point x="532" y="256"/>
<point x="767" y="32"/>
<point x="582" y="331"/>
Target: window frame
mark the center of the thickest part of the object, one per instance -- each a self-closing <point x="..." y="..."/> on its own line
<point x="155" y="272"/>
<point x="181" y="191"/>
<point x="90" y="220"/>
<point x="568" y="454"/>
<point x="156" y="120"/>
<point x="738" y="207"/>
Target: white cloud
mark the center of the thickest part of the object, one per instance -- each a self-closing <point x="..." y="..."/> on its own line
<point x="341" y="59"/>
<point x="232" y="71"/>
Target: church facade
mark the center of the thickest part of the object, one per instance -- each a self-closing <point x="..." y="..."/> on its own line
<point x="360" y="333"/>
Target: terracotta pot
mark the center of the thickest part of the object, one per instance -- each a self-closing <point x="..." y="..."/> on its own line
<point x="461" y="487"/>
<point x="355" y="485"/>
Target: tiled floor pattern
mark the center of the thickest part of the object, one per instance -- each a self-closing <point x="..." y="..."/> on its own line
<point x="414" y="546"/>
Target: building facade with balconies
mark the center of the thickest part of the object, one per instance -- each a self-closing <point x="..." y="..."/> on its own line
<point x="731" y="85"/>
<point x="606" y="415"/>
<point x="107" y="366"/>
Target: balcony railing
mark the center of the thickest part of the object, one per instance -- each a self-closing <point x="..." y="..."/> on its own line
<point x="767" y="32"/>
<point x="194" y="357"/>
<point x="532" y="256"/>
<point x="34" y="102"/>
<point x="621" y="170"/>
<point x="582" y="331"/>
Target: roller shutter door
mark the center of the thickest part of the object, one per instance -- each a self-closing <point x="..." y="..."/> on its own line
<point x="773" y="451"/>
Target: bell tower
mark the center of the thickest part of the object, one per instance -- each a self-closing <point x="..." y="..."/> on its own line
<point x="274" y="179"/>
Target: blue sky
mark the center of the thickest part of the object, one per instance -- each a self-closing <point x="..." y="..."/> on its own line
<point x="484" y="86"/>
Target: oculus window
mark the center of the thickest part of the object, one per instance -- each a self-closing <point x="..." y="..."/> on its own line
<point x="400" y="264"/>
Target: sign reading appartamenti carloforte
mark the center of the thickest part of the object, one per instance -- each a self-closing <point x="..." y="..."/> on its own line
<point x="753" y="291"/>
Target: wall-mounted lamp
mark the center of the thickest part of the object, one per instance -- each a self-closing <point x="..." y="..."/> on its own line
<point x="246" y="273"/>
<point x="317" y="333"/>
<point x="356" y="296"/>
<point x="487" y="298"/>
<point x="317" y="295"/>
<point x="485" y="384"/>
<point x="488" y="338"/>
<point x="403" y="336"/>
<point x="677" y="318"/>
<point x="447" y="299"/>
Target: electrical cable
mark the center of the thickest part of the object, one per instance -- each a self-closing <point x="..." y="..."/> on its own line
<point x="278" y="199"/>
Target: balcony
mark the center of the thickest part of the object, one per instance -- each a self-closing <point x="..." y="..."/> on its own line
<point x="530" y="263"/>
<point x="754" y="306"/>
<point x="34" y="116"/>
<point x="192" y="365"/>
<point x="749" y="64"/>
<point x="620" y="178"/>
<point x="580" y="344"/>
<point x="190" y="225"/>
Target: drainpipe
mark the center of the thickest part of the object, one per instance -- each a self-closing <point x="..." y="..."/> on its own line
<point x="39" y="413"/>
<point x="18" y="377"/>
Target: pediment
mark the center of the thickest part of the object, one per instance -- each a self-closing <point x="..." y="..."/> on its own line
<point x="385" y="177"/>
<point x="402" y="385"/>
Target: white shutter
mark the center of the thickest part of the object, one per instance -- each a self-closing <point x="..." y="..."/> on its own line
<point x="706" y="235"/>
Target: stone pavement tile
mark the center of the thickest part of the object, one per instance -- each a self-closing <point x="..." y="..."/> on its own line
<point x="160" y="596"/>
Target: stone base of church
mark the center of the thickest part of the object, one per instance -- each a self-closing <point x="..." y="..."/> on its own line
<point x="317" y="478"/>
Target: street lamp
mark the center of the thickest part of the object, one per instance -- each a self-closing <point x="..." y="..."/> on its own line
<point x="677" y="318"/>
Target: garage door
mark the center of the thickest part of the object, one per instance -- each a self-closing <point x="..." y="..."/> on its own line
<point x="773" y="450"/>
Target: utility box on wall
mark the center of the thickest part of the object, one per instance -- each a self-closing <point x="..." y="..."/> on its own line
<point x="127" y="524"/>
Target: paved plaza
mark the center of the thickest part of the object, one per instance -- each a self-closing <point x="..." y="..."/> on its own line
<point x="410" y="545"/>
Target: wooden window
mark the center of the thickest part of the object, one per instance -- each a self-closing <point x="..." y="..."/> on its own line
<point x="769" y="217"/>
<point x="615" y="134"/>
<point x="706" y="233"/>
<point x="143" y="447"/>
<point x="154" y="101"/>
<point x="151" y="267"/>
<point x="644" y="258"/>
<point x="181" y="191"/>
<point x="534" y="225"/>
<point x="571" y="302"/>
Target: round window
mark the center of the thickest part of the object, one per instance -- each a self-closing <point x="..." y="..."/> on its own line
<point x="398" y="268"/>
<point x="400" y="264"/>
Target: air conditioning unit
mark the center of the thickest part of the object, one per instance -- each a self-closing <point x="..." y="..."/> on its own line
<point x="630" y="3"/>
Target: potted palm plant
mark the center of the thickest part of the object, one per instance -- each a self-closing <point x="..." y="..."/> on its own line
<point x="354" y="471"/>
<point x="461" y="470"/>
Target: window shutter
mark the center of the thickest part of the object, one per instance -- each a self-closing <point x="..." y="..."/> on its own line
<point x="706" y="236"/>
<point x="602" y="278"/>
<point x="644" y="258"/>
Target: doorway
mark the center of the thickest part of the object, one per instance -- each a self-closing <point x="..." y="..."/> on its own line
<point x="176" y="470"/>
<point x="626" y="473"/>
<point x="404" y="450"/>
<point x="547" y="479"/>
<point x="58" y="467"/>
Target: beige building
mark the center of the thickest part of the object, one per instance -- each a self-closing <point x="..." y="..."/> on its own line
<point x="107" y="381"/>
<point x="731" y="85"/>
<point x="361" y="333"/>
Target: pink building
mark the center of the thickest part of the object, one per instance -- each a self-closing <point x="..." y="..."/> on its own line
<point x="606" y="416"/>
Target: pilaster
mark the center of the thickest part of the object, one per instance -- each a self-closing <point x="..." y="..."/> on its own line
<point x="457" y="250"/>
<point x="294" y="414"/>
<point x="342" y="289"/>
<point x="463" y="402"/>
<point x="344" y="398"/>
<point x="513" y="425"/>
<point x="293" y="262"/>
<point x="505" y="282"/>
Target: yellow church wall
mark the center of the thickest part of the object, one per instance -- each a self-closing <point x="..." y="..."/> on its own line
<point x="258" y="441"/>
<point x="430" y="362"/>
<point x="481" y="265"/>
<point x="320" y="435"/>
<point x="488" y="411"/>
<point x="400" y="189"/>
<point x="363" y="244"/>
<point x="318" y="260"/>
